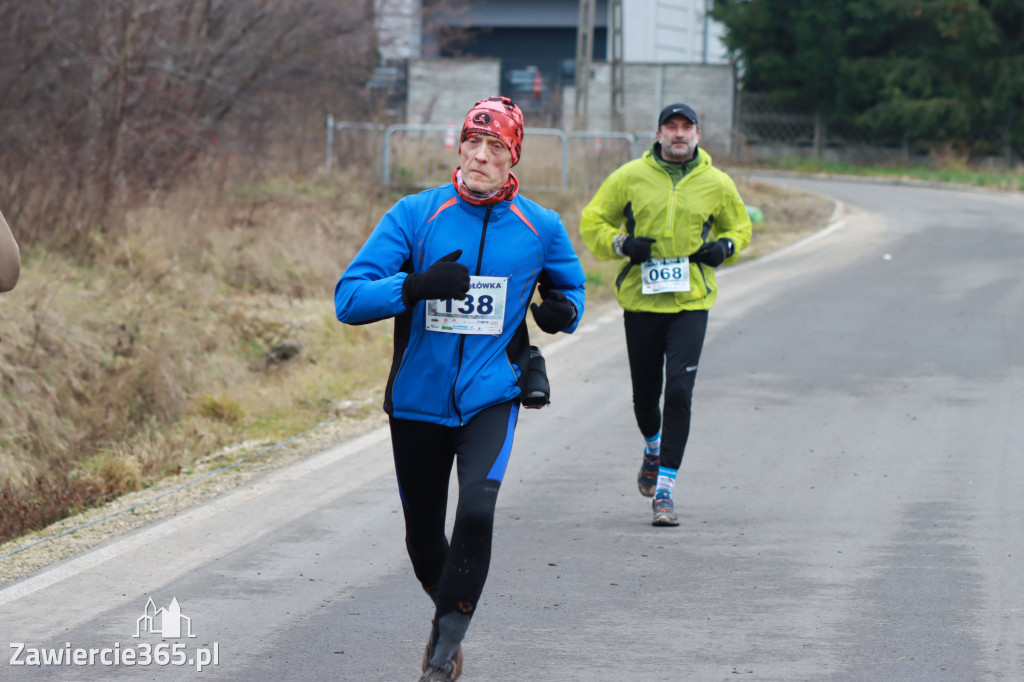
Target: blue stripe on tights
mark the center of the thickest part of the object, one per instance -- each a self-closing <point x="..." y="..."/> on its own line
<point x="497" y="472"/>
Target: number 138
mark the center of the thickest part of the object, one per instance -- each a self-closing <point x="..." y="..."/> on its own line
<point x="484" y="305"/>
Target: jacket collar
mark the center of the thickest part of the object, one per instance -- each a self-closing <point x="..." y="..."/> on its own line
<point x="497" y="209"/>
<point x="676" y="171"/>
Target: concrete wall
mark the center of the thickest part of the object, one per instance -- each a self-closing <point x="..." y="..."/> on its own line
<point x="647" y="88"/>
<point x="441" y="91"/>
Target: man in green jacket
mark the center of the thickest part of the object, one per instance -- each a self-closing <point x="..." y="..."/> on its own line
<point x="673" y="218"/>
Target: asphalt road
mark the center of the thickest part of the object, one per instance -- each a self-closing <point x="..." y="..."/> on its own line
<point x="851" y="501"/>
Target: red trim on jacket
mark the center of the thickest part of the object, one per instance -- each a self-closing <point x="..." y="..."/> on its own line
<point x="515" y="209"/>
<point x="448" y="204"/>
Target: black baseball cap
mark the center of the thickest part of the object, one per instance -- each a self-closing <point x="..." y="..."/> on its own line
<point x="681" y="109"/>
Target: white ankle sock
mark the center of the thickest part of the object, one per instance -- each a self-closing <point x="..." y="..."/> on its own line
<point x="652" y="446"/>
<point x="666" y="480"/>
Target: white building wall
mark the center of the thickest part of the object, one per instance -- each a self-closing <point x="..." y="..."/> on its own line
<point x="670" y="31"/>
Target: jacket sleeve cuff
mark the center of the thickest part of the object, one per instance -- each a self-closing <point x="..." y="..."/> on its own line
<point x="617" y="242"/>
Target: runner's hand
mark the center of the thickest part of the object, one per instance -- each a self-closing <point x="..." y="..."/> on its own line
<point x="637" y="248"/>
<point x="544" y="284"/>
<point x="443" y="280"/>
<point x="554" y="313"/>
<point x="713" y="253"/>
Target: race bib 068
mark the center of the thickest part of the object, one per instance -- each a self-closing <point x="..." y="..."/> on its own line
<point x="665" y="274"/>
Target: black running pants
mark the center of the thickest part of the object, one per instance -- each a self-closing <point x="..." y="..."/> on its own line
<point x="453" y="574"/>
<point x="664" y="349"/>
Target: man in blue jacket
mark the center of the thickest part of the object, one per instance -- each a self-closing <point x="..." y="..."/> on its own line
<point x="456" y="267"/>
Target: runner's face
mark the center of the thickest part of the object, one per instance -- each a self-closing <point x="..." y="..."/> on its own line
<point x="678" y="136"/>
<point x="486" y="163"/>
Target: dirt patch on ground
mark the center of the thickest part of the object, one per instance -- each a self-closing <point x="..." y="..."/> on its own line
<point x="788" y="216"/>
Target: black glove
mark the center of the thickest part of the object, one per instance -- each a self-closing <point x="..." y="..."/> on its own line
<point x="555" y="312"/>
<point x="714" y="253"/>
<point x="544" y="284"/>
<point x="637" y="248"/>
<point x="444" y="279"/>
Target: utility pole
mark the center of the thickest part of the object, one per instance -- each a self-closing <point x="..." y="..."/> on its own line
<point x="618" y="73"/>
<point x="708" y="4"/>
<point x="584" y="54"/>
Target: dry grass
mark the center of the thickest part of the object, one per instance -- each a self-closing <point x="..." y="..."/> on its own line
<point x="133" y="359"/>
<point x="788" y="215"/>
<point x="209" y="322"/>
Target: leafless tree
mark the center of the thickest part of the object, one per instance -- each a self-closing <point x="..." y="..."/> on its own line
<point x="100" y="99"/>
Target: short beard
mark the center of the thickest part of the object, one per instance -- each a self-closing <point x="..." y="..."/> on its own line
<point x="666" y="151"/>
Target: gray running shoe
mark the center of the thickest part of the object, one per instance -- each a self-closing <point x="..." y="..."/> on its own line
<point x="664" y="512"/>
<point x="452" y="668"/>
<point x="647" y="479"/>
<point x="447" y="672"/>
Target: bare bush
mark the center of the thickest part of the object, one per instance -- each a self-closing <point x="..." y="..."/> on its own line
<point x="101" y="100"/>
<point x="153" y="158"/>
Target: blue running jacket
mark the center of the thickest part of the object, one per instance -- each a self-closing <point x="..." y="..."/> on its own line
<point x="447" y="378"/>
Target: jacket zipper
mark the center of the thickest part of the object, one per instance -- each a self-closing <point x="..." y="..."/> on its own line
<point x="462" y="337"/>
<point x="672" y="212"/>
<point x="705" y="229"/>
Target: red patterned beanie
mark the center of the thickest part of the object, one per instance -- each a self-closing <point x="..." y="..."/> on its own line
<point x="498" y="117"/>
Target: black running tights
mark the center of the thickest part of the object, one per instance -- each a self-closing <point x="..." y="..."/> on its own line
<point x="453" y="574"/>
<point x="665" y="347"/>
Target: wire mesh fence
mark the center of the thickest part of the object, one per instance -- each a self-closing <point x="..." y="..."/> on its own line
<point x="765" y="130"/>
<point x="415" y="156"/>
<point x="760" y="121"/>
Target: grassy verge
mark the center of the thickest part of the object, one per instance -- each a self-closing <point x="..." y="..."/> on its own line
<point x="209" y="323"/>
<point x="948" y="171"/>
